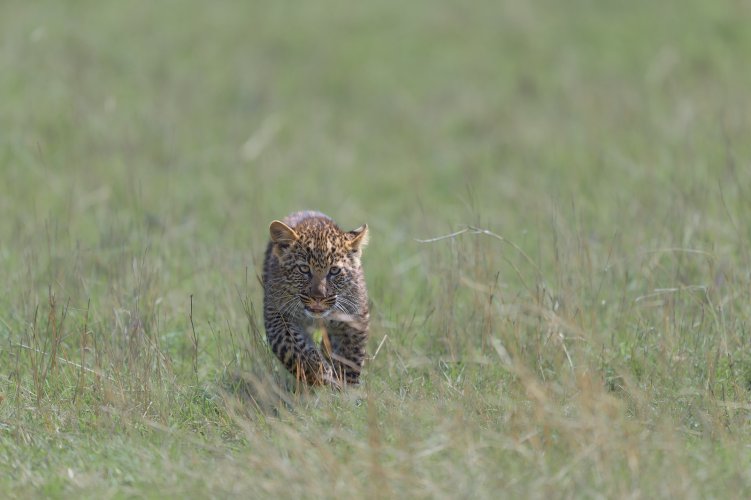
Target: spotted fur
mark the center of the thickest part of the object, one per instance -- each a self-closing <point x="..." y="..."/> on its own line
<point x="312" y="277"/>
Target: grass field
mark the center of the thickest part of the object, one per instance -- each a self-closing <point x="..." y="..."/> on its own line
<point x="587" y="335"/>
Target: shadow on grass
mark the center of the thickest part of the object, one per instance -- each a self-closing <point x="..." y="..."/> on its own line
<point x="251" y="394"/>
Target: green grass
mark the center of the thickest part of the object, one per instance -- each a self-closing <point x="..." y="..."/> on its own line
<point x="593" y="341"/>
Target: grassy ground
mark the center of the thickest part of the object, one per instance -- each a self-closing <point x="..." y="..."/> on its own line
<point x="589" y="339"/>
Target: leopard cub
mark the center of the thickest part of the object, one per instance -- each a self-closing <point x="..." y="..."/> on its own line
<point x="312" y="278"/>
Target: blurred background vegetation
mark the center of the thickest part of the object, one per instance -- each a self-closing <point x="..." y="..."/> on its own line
<point x="594" y="340"/>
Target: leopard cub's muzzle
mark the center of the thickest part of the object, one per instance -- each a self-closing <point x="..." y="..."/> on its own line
<point x="317" y="307"/>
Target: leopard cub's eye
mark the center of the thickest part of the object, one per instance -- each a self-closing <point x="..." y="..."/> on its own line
<point x="305" y="269"/>
<point x="334" y="270"/>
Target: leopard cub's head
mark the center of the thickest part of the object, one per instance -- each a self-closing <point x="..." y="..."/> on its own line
<point x="320" y="263"/>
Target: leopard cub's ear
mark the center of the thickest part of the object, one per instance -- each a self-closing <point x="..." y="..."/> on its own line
<point x="359" y="237"/>
<point x="281" y="235"/>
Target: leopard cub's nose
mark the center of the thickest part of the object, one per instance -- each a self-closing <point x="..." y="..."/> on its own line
<point x="317" y="306"/>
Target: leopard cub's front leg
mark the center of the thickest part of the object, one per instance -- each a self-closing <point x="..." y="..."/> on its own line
<point x="348" y="342"/>
<point x="297" y="352"/>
